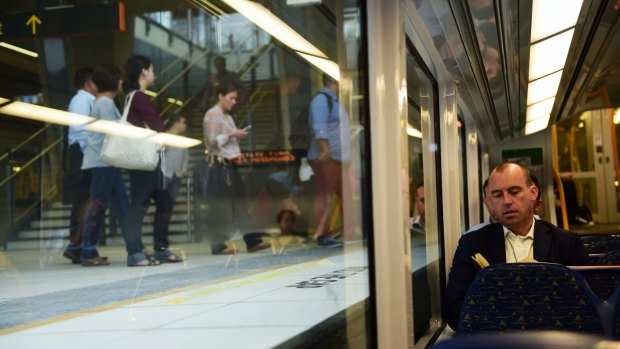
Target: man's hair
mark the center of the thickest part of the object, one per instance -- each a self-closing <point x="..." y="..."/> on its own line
<point x="219" y="58"/>
<point x="283" y="212"/>
<point x="81" y="76"/>
<point x="485" y="185"/>
<point x="106" y="77"/>
<point x="328" y="79"/>
<point x="528" y="175"/>
<point x="537" y="184"/>
<point x="173" y="119"/>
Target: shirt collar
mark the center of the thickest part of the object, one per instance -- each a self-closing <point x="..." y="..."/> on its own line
<point x="88" y="94"/>
<point x="529" y="235"/>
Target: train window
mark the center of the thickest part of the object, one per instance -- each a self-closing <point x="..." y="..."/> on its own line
<point x="256" y="238"/>
<point x="424" y="186"/>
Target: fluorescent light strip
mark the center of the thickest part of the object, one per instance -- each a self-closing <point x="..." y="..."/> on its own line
<point x="543" y="88"/>
<point x="413" y="132"/>
<point x="540" y="109"/>
<point x="549" y="55"/>
<point x="174" y="140"/>
<point x="564" y="15"/>
<point x="617" y="116"/>
<point x="19" y="49"/>
<point x="273" y="25"/>
<point x="150" y="93"/>
<point x="537" y="125"/>
<point x="60" y="117"/>
<point x="45" y="114"/>
<point x="175" y="101"/>
<point x="325" y="65"/>
<point x="115" y="128"/>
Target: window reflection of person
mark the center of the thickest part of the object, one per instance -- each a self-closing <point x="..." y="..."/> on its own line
<point x="329" y="156"/>
<point x="419" y="221"/>
<point x="222" y="138"/>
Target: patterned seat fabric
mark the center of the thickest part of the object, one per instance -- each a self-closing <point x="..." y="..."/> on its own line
<point x="528" y="296"/>
<point x="603" y="246"/>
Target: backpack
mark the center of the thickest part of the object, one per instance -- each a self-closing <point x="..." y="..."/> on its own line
<point x="301" y="134"/>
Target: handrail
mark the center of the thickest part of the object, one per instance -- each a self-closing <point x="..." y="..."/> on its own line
<point x="179" y="75"/>
<point x="183" y="56"/>
<point x="31" y="161"/>
<point x="26" y="141"/>
<point x="253" y="63"/>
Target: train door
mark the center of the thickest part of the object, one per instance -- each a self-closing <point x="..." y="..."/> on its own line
<point x="588" y="151"/>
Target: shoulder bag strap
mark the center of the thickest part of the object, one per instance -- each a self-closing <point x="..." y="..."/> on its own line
<point x="128" y="100"/>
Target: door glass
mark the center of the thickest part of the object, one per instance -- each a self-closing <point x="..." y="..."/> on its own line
<point x="425" y="235"/>
<point x="575" y="144"/>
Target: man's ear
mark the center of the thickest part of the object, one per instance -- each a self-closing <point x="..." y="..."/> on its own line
<point x="534" y="191"/>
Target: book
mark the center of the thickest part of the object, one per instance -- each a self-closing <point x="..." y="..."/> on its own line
<point x="480" y="260"/>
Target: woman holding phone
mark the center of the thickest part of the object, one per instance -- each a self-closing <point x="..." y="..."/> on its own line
<point x="225" y="193"/>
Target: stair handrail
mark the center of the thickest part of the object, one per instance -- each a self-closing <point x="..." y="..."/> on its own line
<point x="33" y="159"/>
<point x="252" y="63"/>
<point x="26" y="141"/>
<point x="180" y="74"/>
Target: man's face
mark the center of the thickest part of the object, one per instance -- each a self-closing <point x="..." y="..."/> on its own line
<point x="512" y="199"/>
<point x="287" y="223"/>
<point x="419" y="201"/>
<point x="220" y="65"/>
<point x="182" y="125"/>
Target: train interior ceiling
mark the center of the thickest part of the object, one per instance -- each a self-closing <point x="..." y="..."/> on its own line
<point x="547" y="96"/>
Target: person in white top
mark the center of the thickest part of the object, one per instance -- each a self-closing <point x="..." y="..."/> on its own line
<point x="176" y="159"/>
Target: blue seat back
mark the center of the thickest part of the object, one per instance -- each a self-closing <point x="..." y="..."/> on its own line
<point x="529" y="296"/>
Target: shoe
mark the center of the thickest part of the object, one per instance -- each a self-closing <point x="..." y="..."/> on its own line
<point x="140" y="260"/>
<point x="166" y="256"/>
<point x="74" y="256"/>
<point x="228" y="251"/>
<point x="261" y="246"/>
<point x="95" y="262"/>
<point x="329" y="242"/>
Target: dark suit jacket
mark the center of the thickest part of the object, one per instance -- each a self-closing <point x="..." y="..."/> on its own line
<point x="551" y="244"/>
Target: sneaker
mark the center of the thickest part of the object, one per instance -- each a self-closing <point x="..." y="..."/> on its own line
<point x="329" y="242"/>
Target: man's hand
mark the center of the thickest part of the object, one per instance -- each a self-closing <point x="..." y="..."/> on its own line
<point x="325" y="153"/>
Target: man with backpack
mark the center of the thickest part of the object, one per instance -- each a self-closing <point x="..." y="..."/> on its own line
<point x="329" y="155"/>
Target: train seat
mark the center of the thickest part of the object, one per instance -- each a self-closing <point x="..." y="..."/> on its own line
<point x="530" y="340"/>
<point x="530" y="296"/>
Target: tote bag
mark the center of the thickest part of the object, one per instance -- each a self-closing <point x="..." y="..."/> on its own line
<point x="129" y="153"/>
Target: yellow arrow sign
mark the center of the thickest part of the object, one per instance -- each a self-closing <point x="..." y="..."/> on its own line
<point x="33" y="21"/>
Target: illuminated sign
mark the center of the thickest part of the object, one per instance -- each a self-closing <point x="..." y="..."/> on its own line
<point x="268" y="157"/>
<point x="62" y="21"/>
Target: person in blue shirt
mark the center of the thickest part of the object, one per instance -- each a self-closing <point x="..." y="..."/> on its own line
<point x="329" y="156"/>
<point x="76" y="181"/>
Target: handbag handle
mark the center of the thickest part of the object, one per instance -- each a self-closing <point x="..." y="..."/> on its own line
<point x="128" y="100"/>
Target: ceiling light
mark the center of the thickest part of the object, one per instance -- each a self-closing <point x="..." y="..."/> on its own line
<point x="325" y="65"/>
<point x="617" y="116"/>
<point x="548" y="56"/>
<point x="540" y="109"/>
<point x="537" y="125"/>
<point x="174" y="140"/>
<point x="413" y="132"/>
<point x="4" y="100"/>
<point x="116" y="128"/>
<point x="565" y="14"/>
<point x="273" y="25"/>
<point x="543" y="88"/>
<point x="45" y="114"/>
<point x="19" y="49"/>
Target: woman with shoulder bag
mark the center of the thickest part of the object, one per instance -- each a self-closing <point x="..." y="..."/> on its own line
<point x="146" y="185"/>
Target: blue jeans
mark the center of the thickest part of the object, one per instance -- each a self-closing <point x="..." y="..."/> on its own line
<point x="106" y="184"/>
<point x="147" y="185"/>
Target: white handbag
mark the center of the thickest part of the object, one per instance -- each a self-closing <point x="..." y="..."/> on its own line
<point x="130" y="153"/>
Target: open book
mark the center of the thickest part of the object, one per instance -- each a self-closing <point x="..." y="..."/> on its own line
<point x="483" y="263"/>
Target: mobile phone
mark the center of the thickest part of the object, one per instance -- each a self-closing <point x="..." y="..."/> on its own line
<point x="247" y="127"/>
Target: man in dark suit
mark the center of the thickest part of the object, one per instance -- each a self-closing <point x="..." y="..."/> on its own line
<point x="516" y="236"/>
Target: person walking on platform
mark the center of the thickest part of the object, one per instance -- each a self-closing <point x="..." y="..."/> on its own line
<point x="76" y="182"/>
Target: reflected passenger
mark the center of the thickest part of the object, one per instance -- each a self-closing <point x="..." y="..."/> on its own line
<point x="146" y="185"/>
<point x="418" y="223"/>
<point x="106" y="181"/>
<point x="225" y="191"/>
<point x="76" y="182"/>
<point x="517" y="236"/>
<point x="329" y="156"/>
